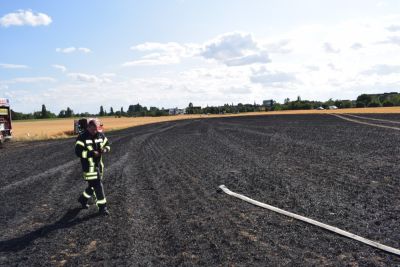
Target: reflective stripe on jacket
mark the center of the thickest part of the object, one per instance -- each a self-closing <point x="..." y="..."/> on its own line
<point x="85" y="146"/>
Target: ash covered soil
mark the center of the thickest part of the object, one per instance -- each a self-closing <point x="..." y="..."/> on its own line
<point x="161" y="182"/>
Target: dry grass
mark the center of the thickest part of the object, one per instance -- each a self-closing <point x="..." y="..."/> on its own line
<point x="62" y="128"/>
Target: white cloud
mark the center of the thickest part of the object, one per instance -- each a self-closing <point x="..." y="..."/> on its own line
<point x="25" y="17"/>
<point x="381" y="4"/>
<point x="109" y="75"/>
<point x="66" y="50"/>
<point x="231" y="49"/>
<point x="12" y="66"/>
<point x="313" y="68"/>
<point x="235" y="49"/>
<point x="73" y="49"/>
<point x="395" y="40"/>
<point x="161" y="53"/>
<point x="30" y="80"/>
<point x="356" y="46"/>
<point x="382" y="69"/>
<point x="154" y="46"/>
<point x="249" y="59"/>
<point x="84" y="50"/>
<point x="332" y="66"/>
<point x="89" y="78"/>
<point x="276" y="78"/>
<point x="34" y="79"/>
<point x="230" y="45"/>
<point x="60" y="67"/>
<point x="152" y="62"/>
<point x="279" y="47"/>
<point x="237" y="90"/>
<point x="393" y="28"/>
<point x="330" y="49"/>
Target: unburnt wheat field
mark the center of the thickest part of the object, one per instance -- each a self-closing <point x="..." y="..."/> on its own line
<point x="161" y="184"/>
<point x="42" y="129"/>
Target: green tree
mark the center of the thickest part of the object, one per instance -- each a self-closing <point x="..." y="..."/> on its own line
<point x="21" y="116"/>
<point x="101" y="113"/>
<point x="136" y="110"/>
<point x="330" y="102"/>
<point x="387" y="103"/>
<point x="44" y="112"/>
<point x="374" y="103"/>
<point x="364" y="100"/>
<point x="189" y="109"/>
<point x="61" y="114"/>
<point x="69" y="113"/>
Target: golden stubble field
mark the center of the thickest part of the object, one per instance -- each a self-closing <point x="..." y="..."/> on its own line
<point x="59" y="128"/>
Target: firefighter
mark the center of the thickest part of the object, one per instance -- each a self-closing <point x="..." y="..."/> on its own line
<point x="89" y="147"/>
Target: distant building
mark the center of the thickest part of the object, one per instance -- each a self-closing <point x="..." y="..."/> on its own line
<point x="268" y="103"/>
<point x="176" y="111"/>
<point x="333" y="107"/>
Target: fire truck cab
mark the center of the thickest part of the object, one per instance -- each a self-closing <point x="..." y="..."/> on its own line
<point x="5" y="120"/>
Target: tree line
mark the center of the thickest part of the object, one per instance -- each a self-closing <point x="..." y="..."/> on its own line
<point x="133" y="111"/>
<point x="137" y="110"/>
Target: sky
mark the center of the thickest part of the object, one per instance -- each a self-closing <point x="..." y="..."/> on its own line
<point x="167" y="53"/>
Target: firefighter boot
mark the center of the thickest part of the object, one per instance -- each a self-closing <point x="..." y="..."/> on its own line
<point x="83" y="202"/>
<point x="103" y="210"/>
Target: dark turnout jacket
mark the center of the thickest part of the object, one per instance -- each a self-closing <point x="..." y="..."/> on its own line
<point x="84" y="148"/>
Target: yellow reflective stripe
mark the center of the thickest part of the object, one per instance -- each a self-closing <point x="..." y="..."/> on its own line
<point x="90" y="148"/>
<point x="108" y="148"/>
<point x="90" y="178"/>
<point x="84" y="154"/>
<point x="86" y="195"/>
<point x="89" y="142"/>
<point x="103" y="201"/>
<point x="91" y="162"/>
<point x="80" y="143"/>
<point x="90" y="173"/>
<point x="104" y="143"/>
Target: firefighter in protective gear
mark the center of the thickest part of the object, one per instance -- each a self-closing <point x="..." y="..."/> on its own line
<point x="89" y="147"/>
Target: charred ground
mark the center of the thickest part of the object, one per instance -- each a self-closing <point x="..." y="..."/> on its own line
<point x="161" y="183"/>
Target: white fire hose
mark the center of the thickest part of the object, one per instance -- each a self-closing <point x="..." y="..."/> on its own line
<point x="311" y="221"/>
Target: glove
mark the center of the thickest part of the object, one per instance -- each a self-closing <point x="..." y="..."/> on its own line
<point x="104" y="150"/>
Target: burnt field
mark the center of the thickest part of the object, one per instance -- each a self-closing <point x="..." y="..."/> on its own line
<point x="161" y="183"/>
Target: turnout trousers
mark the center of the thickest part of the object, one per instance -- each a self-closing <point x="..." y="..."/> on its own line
<point x="95" y="188"/>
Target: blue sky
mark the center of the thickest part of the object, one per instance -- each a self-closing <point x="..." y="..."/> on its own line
<point x="83" y="54"/>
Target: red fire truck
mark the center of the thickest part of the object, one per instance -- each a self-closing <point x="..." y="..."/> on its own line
<point x="5" y="120"/>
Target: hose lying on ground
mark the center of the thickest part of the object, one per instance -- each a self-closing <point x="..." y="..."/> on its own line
<point x="311" y="221"/>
